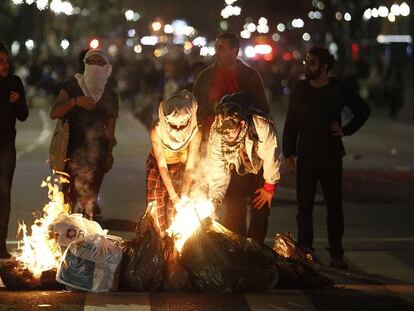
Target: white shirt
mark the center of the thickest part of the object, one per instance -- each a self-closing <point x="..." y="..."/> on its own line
<point x="267" y="151"/>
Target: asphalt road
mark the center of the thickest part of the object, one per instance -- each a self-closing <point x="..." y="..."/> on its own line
<point x="378" y="214"/>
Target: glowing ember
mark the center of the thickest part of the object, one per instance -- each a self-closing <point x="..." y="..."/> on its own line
<point x="190" y="213"/>
<point x="39" y="251"/>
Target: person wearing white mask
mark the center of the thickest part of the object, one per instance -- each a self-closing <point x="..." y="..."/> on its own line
<point x="175" y="139"/>
<point x="91" y="107"/>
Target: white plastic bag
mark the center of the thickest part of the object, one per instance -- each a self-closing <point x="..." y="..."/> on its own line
<point x="70" y="227"/>
<point x="91" y="264"/>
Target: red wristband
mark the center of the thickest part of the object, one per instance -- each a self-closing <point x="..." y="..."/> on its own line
<point x="270" y="188"/>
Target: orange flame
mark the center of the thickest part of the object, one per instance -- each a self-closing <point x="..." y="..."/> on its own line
<point x="190" y="213"/>
<point x="39" y="251"/>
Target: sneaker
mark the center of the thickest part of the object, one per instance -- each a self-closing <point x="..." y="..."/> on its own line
<point x="338" y="262"/>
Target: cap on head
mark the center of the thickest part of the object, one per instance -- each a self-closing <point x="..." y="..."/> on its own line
<point x="99" y="52"/>
<point x="178" y="108"/>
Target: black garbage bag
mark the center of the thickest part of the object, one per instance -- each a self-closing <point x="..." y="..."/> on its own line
<point x="298" y="267"/>
<point x="144" y="258"/>
<point x="176" y="276"/>
<point x="222" y="261"/>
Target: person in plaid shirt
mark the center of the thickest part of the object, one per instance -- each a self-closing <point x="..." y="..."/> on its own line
<point x="175" y="139"/>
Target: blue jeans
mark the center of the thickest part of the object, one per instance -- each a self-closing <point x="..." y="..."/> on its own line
<point x="7" y="166"/>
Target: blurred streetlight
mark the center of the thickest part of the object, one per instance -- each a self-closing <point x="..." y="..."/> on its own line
<point x="306" y="36"/>
<point x="42" y="4"/>
<point x="245" y="34"/>
<point x="15" y="48"/>
<point x="230" y="11"/>
<point x="94" y="44"/>
<point x="281" y="27"/>
<point x="64" y="44"/>
<point x="156" y="26"/>
<point x="138" y="48"/>
<point x="30" y="44"/>
<point x="404" y="9"/>
<point x="168" y="28"/>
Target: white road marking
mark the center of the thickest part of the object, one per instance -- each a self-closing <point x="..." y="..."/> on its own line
<point x="117" y="301"/>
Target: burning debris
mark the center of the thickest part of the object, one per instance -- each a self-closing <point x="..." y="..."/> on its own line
<point x="194" y="253"/>
<point x="16" y="277"/>
<point x="39" y="253"/>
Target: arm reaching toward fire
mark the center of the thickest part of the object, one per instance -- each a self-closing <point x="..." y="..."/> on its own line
<point x="218" y="176"/>
<point x="159" y="155"/>
<point x="193" y="156"/>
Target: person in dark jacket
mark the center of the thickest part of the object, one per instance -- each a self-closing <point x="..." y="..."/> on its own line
<point x="313" y="136"/>
<point x="12" y="106"/>
<point x="91" y="108"/>
<point x="226" y="76"/>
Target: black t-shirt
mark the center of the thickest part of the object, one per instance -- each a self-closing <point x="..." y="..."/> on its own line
<point x="9" y="112"/>
<point x="311" y="112"/>
<point x="87" y="140"/>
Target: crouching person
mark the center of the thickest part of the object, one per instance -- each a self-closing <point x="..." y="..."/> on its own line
<point x="243" y="164"/>
<point x="175" y="140"/>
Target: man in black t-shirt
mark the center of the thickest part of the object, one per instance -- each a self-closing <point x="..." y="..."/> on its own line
<point x="12" y="107"/>
<point x="313" y="135"/>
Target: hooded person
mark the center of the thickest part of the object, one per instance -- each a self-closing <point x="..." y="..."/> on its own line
<point x="90" y="106"/>
<point x="175" y="140"/>
<point x="12" y="108"/>
<point x="243" y="163"/>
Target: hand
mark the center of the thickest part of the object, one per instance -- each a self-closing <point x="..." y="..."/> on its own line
<point x="216" y="204"/>
<point x="262" y="198"/>
<point x="14" y="96"/>
<point x="108" y="163"/>
<point x="336" y="130"/>
<point x="85" y="102"/>
<point x="175" y="199"/>
<point x="290" y="165"/>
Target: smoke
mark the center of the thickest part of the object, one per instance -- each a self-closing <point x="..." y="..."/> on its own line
<point x="86" y="165"/>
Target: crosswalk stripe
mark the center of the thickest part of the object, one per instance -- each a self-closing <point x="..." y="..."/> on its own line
<point x="117" y="301"/>
<point x="383" y="264"/>
<point x="279" y="300"/>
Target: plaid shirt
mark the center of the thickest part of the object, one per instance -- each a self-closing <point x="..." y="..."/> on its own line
<point x="157" y="192"/>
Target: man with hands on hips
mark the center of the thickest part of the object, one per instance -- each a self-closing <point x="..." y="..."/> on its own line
<point x="313" y="139"/>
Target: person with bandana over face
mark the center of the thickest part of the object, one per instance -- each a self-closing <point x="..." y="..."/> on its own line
<point x="313" y="138"/>
<point x="91" y="107"/>
<point x="175" y="140"/>
<point x="12" y="106"/>
<point x="243" y="163"/>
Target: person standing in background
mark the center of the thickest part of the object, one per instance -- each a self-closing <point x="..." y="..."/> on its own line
<point x="91" y="108"/>
<point x="12" y="106"/>
<point x="313" y="136"/>
<point x="226" y="76"/>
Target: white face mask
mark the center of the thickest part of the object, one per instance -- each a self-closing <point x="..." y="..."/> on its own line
<point x="94" y="79"/>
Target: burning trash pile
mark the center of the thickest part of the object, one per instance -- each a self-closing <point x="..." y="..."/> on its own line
<point x="196" y="253"/>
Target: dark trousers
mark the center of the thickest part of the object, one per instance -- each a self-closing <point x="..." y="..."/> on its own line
<point x="84" y="186"/>
<point x="7" y="166"/>
<point x="329" y="174"/>
<point x="240" y="191"/>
